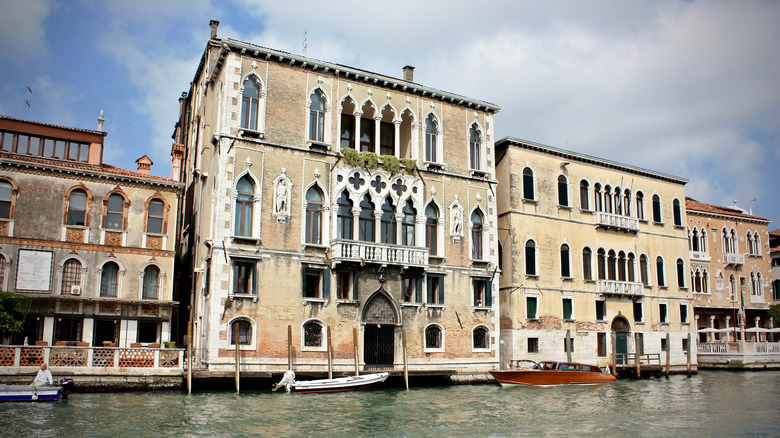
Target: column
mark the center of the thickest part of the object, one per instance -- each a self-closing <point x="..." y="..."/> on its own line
<point x="357" y="130"/>
<point x="397" y="138"/>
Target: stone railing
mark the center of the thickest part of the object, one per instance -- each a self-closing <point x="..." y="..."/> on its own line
<point x="699" y="256"/>
<point x="625" y="288"/>
<point x="91" y="358"/>
<point x="386" y="254"/>
<point x="738" y="347"/>
<point x="733" y="259"/>
<point x="609" y="220"/>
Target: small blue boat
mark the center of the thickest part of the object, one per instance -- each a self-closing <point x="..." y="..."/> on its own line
<point x="29" y="393"/>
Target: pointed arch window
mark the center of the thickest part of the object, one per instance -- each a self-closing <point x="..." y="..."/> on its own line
<point x="601" y="256"/>
<point x="563" y="191"/>
<point x="313" y="216"/>
<point x="317" y="116"/>
<point x="431" y="228"/>
<point x="631" y="267"/>
<point x="431" y="134"/>
<point x="530" y="258"/>
<point x="643" y="272"/>
<point x="344" y="217"/>
<point x="476" y="235"/>
<point x="565" y="262"/>
<point x="245" y="197"/>
<point x="77" y="208"/>
<point x="388" y="225"/>
<point x="587" y="269"/>
<point x="627" y="202"/>
<point x="366" y="221"/>
<point x="608" y="199"/>
<point x="109" y="277"/>
<point x="151" y="282"/>
<point x="528" y="184"/>
<point x="621" y="266"/>
<point x="250" y="103"/>
<point x="597" y="199"/>
<point x="407" y="224"/>
<point x="640" y="205"/>
<point x="611" y="265"/>
<point x="475" y="147"/>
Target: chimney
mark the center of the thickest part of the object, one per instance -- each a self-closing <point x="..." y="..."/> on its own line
<point x="213" y="24"/>
<point x="144" y="164"/>
<point x="409" y="73"/>
<point x="100" y="121"/>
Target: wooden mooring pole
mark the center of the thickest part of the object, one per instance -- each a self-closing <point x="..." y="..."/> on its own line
<point x="568" y="345"/>
<point x="614" y="353"/>
<point x="406" y="364"/>
<point x="668" y="353"/>
<point x="289" y="347"/>
<point x="238" y="355"/>
<point x="330" y="357"/>
<point x="355" y="344"/>
<point x="688" y="353"/>
<point x="637" y="363"/>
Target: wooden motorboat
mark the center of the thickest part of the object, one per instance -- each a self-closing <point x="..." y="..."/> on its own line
<point x="340" y="384"/>
<point x="553" y="373"/>
<point x="28" y="393"/>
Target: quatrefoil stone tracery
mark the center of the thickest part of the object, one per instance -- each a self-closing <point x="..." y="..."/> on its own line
<point x="356" y="181"/>
<point x="399" y="187"/>
<point x="378" y="184"/>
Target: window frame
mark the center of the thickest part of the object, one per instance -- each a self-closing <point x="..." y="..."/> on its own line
<point x="530" y="258"/>
<point x="481" y="291"/>
<point x="243" y="278"/>
<point x="440" y="338"/>
<point x="570" y="301"/>
<point x="244" y="207"/>
<point x="563" y="191"/>
<point x="485" y="347"/>
<point x="322" y="274"/>
<point x="162" y="218"/>
<point x="248" y="121"/>
<point x="323" y="335"/>
<point x="314" y="217"/>
<point x="317" y="117"/>
<point x="146" y="287"/>
<point x="535" y="316"/>
<point x="529" y="189"/>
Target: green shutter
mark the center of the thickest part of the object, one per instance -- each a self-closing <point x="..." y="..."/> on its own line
<point x="326" y="284"/>
<point x="430" y="290"/>
<point x="418" y="290"/>
<point x="441" y="290"/>
<point x="303" y="281"/>
<point x="489" y="294"/>
<point x="354" y="285"/>
<point x="530" y="304"/>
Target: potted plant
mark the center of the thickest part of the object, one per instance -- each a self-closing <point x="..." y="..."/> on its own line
<point x="82" y="344"/>
<point x="154" y="345"/>
<point x="109" y="344"/>
<point x="41" y="343"/>
<point x="135" y="345"/>
<point x="60" y="343"/>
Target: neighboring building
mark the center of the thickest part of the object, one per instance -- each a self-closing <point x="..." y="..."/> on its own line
<point x="730" y="272"/>
<point x="90" y="243"/>
<point x="283" y="226"/>
<point x="593" y="249"/>
<point x="774" y="251"/>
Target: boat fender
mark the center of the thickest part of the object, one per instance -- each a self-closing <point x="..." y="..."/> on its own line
<point x="35" y="396"/>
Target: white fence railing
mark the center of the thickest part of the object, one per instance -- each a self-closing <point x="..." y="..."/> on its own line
<point x="627" y="288"/>
<point x="616" y="221"/>
<point x="733" y="259"/>
<point x="358" y="251"/>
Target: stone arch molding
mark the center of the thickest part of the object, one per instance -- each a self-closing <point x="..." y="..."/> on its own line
<point x="380" y="308"/>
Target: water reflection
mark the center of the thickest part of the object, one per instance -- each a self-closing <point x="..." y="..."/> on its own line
<point x="708" y="404"/>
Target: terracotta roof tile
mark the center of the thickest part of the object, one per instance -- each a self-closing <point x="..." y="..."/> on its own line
<point x="692" y="204"/>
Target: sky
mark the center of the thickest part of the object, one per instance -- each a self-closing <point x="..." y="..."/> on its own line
<point x="688" y="88"/>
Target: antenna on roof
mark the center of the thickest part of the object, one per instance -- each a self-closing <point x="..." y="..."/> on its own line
<point x="305" y="42"/>
<point x="28" y="99"/>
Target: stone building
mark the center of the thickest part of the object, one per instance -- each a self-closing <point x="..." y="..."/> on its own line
<point x="774" y="249"/>
<point x="324" y="199"/>
<point x="90" y="243"/>
<point x="593" y="251"/>
<point x="731" y="273"/>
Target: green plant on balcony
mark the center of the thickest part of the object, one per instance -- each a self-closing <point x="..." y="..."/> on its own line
<point x="351" y="157"/>
<point x="391" y="164"/>
<point x="410" y="164"/>
<point x="369" y="159"/>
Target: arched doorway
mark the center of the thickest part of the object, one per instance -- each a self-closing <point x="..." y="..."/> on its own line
<point x="620" y="329"/>
<point x="379" y="319"/>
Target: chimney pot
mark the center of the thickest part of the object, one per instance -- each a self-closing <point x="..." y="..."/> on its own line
<point x="409" y="73"/>
<point x="213" y="24"/>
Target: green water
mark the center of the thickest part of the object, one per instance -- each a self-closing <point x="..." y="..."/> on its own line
<point x="708" y="404"/>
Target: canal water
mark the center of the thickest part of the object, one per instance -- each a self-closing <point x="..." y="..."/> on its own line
<point x="712" y="403"/>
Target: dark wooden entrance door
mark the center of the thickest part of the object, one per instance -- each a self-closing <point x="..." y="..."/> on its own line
<point x="378" y="345"/>
<point x="621" y="347"/>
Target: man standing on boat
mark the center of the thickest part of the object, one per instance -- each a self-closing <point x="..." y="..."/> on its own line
<point x="43" y="378"/>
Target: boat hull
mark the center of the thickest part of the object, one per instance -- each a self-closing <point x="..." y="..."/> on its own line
<point x="550" y="377"/>
<point x="27" y="393"/>
<point x="351" y="383"/>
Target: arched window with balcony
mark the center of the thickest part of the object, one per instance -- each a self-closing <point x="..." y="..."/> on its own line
<point x="388" y="224"/>
<point x="476" y="236"/>
<point x="611" y="265"/>
<point x="317" y="116"/>
<point x="344" y="216"/>
<point x="618" y="196"/>
<point x="431" y="138"/>
<point x="245" y="198"/>
<point x="627" y="202"/>
<point x="431" y="228"/>
<point x="366" y="220"/>
<point x="408" y="223"/>
<point x="631" y="265"/>
<point x="597" y="198"/>
<point x="608" y="199"/>
<point x="601" y="257"/>
<point x="622" y="266"/>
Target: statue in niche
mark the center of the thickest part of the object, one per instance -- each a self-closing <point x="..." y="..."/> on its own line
<point x="456" y="220"/>
<point x="282" y="191"/>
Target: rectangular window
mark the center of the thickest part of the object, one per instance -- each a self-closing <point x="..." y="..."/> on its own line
<point x="347" y="131"/>
<point x="684" y="313"/>
<point x="346" y="282"/>
<point x="568" y="309"/>
<point x="482" y="292"/>
<point x="67" y="329"/>
<point x="147" y="331"/>
<point x="315" y="282"/>
<point x="435" y="289"/>
<point x="386" y="139"/>
<point x="530" y="307"/>
<point x="7" y="141"/>
<point x="601" y="310"/>
<point x="533" y="345"/>
<point x="367" y="135"/>
<point x="663" y="344"/>
<point x="662" y="314"/>
<point x="601" y="340"/>
<point x="637" y="311"/>
<point x="244" y="277"/>
<point x="413" y="289"/>
<point x="570" y="347"/>
<point x="685" y="345"/>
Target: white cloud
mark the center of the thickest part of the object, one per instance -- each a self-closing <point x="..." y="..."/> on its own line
<point x="22" y="30"/>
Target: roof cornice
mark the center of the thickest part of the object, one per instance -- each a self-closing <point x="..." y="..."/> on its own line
<point x="587" y="159"/>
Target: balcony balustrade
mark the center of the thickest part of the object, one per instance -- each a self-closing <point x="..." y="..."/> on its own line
<point x="733" y="259"/>
<point x="623" y="288"/>
<point x="699" y="256"/>
<point x="620" y="222"/>
<point x="385" y="254"/>
<point x="92" y="359"/>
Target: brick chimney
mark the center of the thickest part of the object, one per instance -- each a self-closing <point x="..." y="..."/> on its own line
<point x="144" y="164"/>
<point x="214" y="24"/>
<point x="409" y="73"/>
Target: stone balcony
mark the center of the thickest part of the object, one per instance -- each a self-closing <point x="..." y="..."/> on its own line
<point x="619" y="222"/>
<point x="733" y="259"/>
<point x="621" y="288"/>
<point x="378" y="253"/>
<point x="699" y="256"/>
